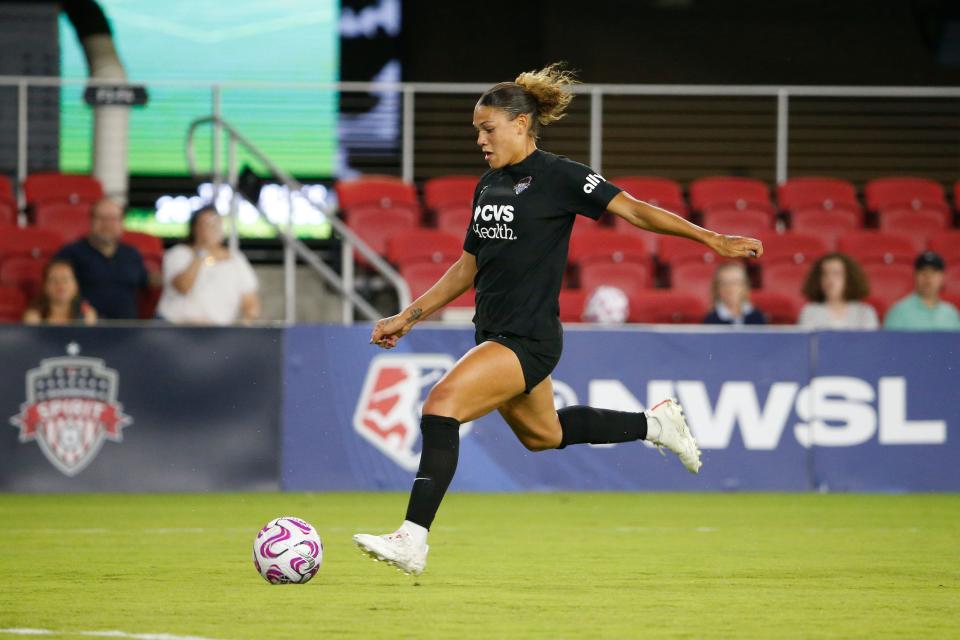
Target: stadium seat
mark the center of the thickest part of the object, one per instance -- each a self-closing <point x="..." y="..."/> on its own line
<point x="741" y="193"/>
<point x="877" y="247"/>
<point x="375" y="226"/>
<point x="572" y="304"/>
<point x="24" y="273"/>
<point x="12" y="304"/>
<point x="629" y="277"/>
<point x="661" y="306"/>
<point x="917" y="224"/>
<point x="779" y="307"/>
<point x="149" y="246"/>
<point x="947" y="244"/>
<point x="447" y="191"/>
<point x="6" y="188"/>
<point x="423" y="245"/>
<point x="660" y="192"/>
<point x="674" y="250"/>
<point x="454" y="219"/>
<point x="650" y="239"/>
<point x="8" y="213"/>
<point x="879" y="305"/>
<point x="828" y="225"/>
<point x="785" y="277"/>
<point x="791" y="247"/>
<point x="70" y="220"/>
<point x="61" y="187"/>
<point x="740" y="222"/>
<point x="884" y="193"/>
<point x="385" y="192"/>
<point x="889" y="282"/>
<point x="606" y="245"/>
<point x="38" y="243"/>
<point x="693" y="278"/>
<point x="817" y="192"/>
<point x="951" y="284"/>
<point x="423" y="275"/>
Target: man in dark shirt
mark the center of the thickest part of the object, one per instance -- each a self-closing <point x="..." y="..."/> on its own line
<point x="110" y="273"/>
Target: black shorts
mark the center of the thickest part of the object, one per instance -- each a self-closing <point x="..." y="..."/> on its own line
<point x="537" y="358"/>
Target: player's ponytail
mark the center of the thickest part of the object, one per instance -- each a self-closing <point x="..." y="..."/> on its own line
<point x="542" y="94"/>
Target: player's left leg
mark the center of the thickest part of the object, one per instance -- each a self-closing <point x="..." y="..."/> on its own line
<point x="539" y="426"/>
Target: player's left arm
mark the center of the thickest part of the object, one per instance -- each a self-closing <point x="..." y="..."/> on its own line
<point x="646" y="216"/>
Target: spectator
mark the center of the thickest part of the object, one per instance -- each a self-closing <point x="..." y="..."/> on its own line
<point x="203" y="281"/>
<point x="835" y="287"/>
<point x="59" y="301"/>
<point x="730" y="291"/>
<point x="109" y="272"/>
<point x="923" y="309"/>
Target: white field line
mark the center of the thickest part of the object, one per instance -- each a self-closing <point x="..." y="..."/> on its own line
<point x="99" y="634"/>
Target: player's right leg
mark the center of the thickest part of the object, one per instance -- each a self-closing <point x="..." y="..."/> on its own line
<point x="483" y="379"/>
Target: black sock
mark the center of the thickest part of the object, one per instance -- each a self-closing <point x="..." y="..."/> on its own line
<point x="438" y="463"/>
<point x="583" y="424"/>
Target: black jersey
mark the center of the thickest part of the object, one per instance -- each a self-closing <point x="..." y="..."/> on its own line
<point x="520" y="232"/>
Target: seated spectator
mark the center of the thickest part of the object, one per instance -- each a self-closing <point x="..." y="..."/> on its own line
<point x="203" y="281"/>
<point x="59" y="301"/>
<point x="109" y="272"/>
<point x="923" y="309"/>
<point x="730" y="291"/>
<point x="835" y="286"/>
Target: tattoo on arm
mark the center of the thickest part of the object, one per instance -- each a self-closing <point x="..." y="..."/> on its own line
<point x="415" y="314"/>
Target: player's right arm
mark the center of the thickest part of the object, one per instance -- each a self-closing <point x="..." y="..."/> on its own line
<point x="458" y="278"/>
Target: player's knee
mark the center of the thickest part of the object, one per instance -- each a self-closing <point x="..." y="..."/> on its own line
<point x="539" y="443"/>
<point x="441" y="401"/>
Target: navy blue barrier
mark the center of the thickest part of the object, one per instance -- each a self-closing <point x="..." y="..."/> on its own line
<point x="153" y="408"/>
<point x="772" y="411"/>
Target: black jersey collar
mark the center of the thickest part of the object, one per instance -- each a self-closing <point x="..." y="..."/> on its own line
<point x="525" y="165"/>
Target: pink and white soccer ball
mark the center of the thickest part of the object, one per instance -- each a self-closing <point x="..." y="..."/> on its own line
<point x="287" y="550"/>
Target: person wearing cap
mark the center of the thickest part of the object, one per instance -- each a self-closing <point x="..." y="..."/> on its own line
<point x="923" y="310"/>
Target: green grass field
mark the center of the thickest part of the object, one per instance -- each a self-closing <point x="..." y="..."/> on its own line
<point x="500" y="566"/>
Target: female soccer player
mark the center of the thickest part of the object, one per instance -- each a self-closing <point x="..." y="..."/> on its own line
<point x="515" y="253"/>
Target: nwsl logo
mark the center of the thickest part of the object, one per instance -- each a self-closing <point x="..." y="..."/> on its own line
<point x="71" y="409"/>
<point x="389" y="407"/>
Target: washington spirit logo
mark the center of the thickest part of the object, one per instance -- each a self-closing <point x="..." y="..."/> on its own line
<point x="388" y="410"/>
<point x="71" y="409"/>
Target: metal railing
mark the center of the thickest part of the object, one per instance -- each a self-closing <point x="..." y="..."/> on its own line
<point x="294" y="248"/>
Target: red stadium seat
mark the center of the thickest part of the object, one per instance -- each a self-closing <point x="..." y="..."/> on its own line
<point x="879" y="305"/>
<point x="784" y="277"/>
<point x="884" y="193"/>
<point x="375" y="226"/>
<point x="23" y="272"/>
<point x="447" y="191"/>
<point x="667" y="307"/>
<point x="674" y="250"/>
<point x="572" y="304"/>
<point x="606" y="245"/>
<point x="829" y="225"/>
<point x="385" y="192"/>
<point x="650" y="239"/>
<point x="38" y="243"/>
<point x="889" y="282"/>
<point x="877" y="247"/>
<point x="12" y="304"/>
<point x="151" y="248"/>
<point x="739" y="222"/>
<point x="660" y="192"/>
<point x="8" y="213"/>
<point x="951" y="284"/>
<point x="823" y="193"/>
<point x="917" y="224"/>
<point x="454" y="219"/>
<point x="423" y="245"/>
<point x="791" y="247"/>
<point x="693" y="278"/>
<point x="779" y="307"/>
<point x="61" y="187"/>
<point x="741" y="193"/>
<point x="70" y="220"/>
<point x="947" y="244"/>
<point x="626" y="276"/>
<point x="6" y="188"/>
<point x="423" y="275"/>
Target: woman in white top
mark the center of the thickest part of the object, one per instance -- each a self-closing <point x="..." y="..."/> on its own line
<point x="835" y="287"/>
<point x="203" y="281"/>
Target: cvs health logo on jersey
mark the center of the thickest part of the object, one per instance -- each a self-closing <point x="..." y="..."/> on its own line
<point x="491" y="221"/>
<point x="389" y="407"/>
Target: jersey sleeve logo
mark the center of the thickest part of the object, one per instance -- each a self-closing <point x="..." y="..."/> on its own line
<point x="593" y="180"/>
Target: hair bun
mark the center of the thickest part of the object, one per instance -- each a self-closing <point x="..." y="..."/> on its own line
<point x="550" y="88"/>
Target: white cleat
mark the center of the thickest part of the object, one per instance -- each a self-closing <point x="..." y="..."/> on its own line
<point x="397" y="549"/>
<point x="673" y="433"/>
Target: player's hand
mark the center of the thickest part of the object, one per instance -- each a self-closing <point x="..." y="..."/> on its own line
<point x="388" y="331"/>
<point x="738" y="247"/>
